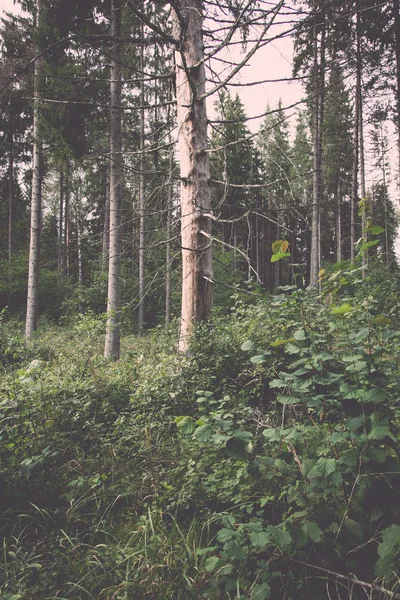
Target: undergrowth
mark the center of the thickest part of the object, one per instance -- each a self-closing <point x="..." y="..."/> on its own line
<point x="266" y="465"/>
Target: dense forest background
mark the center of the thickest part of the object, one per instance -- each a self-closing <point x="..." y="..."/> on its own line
<point x="199" y="318"/>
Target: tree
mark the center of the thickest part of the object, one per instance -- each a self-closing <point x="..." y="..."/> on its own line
<point x="197" y="272"/>
<point x="33" y="275"/>
<point x="112" y="342"/>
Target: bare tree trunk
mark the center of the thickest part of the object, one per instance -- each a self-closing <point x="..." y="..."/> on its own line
<point x="234" y="247"/>
<point x="315" y="243"/>
<point x="79" y="247"/>
<point x="338" y="222"/>
<point x="34" y="245"/>
<point x="396" y="14"/>
<point x="277" y="269"/>
<point x="106" y="226"/>
<point x="10" y="205"/>
<point x="362" y="182"/>
<point x="141" y="202"/>
<point x="354" y="192"/>
<point x="361" y="142"/>
<point x="197" y="273"/>
<point x="112" y="341"/>
<point x="257" y="247"/>
<point x="269" y="245"/>
<point x="168" y="245"/>
<point x="66" y="224"/>
<point x="61" y="225"/>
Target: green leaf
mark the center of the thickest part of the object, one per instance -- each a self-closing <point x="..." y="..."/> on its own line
<point x="203" y="433"/>
<point x="224" y="535"/>
<point x="306" y="466"/>
<point x="260" y="539"/>
<point x="381" y="320"/>
<point x="224" y="424"/>
<point x="261" y="592"/>
<point x="356" y="423"/>
<point x="247" y="346"/>
<point x="376" y="229"/>
<point x="299" y="335"/>
<point x="292" y="349"/>
<point x="322" y="468"/>
<point x="283" y="399"/>
<point x="258" y="359"/>
<point x="272" y="435"/>
<point x="236" y="448"/>
<point x="374" y="395"/>
<point x="360" y="335"/>
<point x="313" y="531"/>
<point x="281" y="538"/>
<point x="186" y="425"/>
<point x="234" y="550"/>
<point x="213" y="562"/>
<point x="277" y="343"/>
<point x="390" y="539"/>
<point x="279" y="256"/>
<point x="341" y="310"/>
<point x="380" y="427"/>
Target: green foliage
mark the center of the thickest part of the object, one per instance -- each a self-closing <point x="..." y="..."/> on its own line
<point x="221" y="475"/>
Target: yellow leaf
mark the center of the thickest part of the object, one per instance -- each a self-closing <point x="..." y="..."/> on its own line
<point x="277" y="246"/>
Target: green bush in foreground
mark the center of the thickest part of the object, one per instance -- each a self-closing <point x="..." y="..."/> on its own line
<point x="267" y="466"/>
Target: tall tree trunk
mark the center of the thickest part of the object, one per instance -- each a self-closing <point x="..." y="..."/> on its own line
<point x="10" y="205"/>
<point x="66" y="224"/>
<point x="141" y="201"/>
<point x="61" y="225"/>
<point x="338" y="221"/>
<point x="112" y="342"/>
<point x="79" y="249"/>
<point x="234" y="246"/>
<point x="362" y="179"/>
<point x="277" y="269"/>
<point x="197" y="273"/>
<point x="315" y="244"/>
<point x="396" y="14"/>
<point x="354" y="191"/>
<point x="34" y="245"/>
<point x="321" y="99"/>
<point x="168" y="245"/>
<point x="106" y="226"/>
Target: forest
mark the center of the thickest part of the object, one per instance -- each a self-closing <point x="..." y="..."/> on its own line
<point x="199" y="302"/>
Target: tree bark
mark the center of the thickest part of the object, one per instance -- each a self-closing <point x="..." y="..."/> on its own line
<point x="141" y="201"/>
<point x="66" y="224"/>
<point x="315" y="244"/>
<point x="338" y="221"/>
<point x="396" y="15"/>
<point x="168" y="244"/>
<point x="197" y="273"/>
<point x="112" y="341"/>
<point x="362" y="175"/>
<point x="10" y="205"/>
<point x="61" y="225"/>
<point x="106" y="226"/>
<point x="354" y="192"/>
<point x="34" y="245"/>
